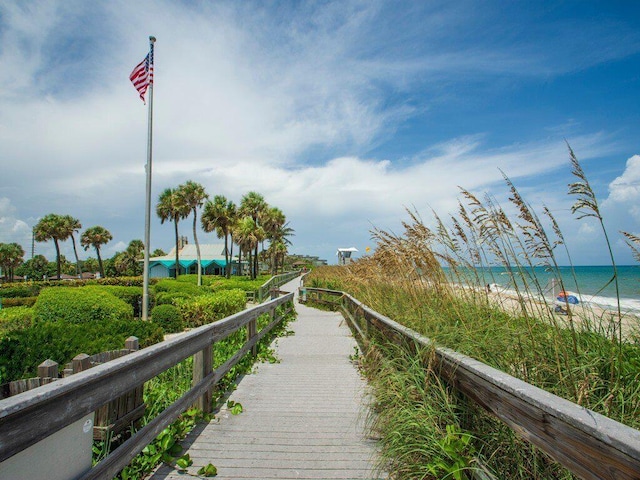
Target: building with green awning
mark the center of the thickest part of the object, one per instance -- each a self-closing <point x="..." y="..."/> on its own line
<point x="212" y="259"/>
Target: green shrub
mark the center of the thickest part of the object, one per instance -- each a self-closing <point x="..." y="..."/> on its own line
<point x="167" y="298"/>
<point x="173" y="286"/>
<point x="21" y="351"/>
<point x="208" y="308"/>
<point x="131" y="295"/>
<point x="79" y="305"/>
<point x="16" y="318"/>
<point x="18" y="302"/>
<point x="10" y="290"/>
<point x="167" y="317"/>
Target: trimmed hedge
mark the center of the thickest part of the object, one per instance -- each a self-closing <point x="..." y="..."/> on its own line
<point x="11" y="290"/>
<point x="242" y="283"/>
<point x="31" y="289"/>
<point x="168" y="298"/>
<point x="208" y="308"/>
<point x="173" y="286"/>
<point x="16" y="318"/>
<point x="17" y="301"/>
<point x="79" y="305"/>
<point x="131" y="295"/>
<point x="168" y="317"/>
<point x="21" y="351"/>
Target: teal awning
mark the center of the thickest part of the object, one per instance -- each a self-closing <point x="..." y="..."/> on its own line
<point x="187" y="263"/>
<point x="166" y="263"/>
<point x="220" y="263"/>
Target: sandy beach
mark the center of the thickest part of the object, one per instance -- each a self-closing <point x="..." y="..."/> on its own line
<point x="587" y="315"/>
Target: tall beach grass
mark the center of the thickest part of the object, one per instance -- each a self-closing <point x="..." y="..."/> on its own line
<point x="430" y="279"/>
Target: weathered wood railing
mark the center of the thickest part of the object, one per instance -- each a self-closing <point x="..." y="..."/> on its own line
<point x="274" y="282"/>
<point x="110" y="419"/>
<point x="590" y="445"/>
<point x="29" y="417"/>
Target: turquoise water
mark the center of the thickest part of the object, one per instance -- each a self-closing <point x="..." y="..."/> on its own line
<point x="589" y="284"/>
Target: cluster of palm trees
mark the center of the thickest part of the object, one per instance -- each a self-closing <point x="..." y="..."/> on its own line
<point x="11" y="255"/>
<point x="248" y="225"/>
<point x="63" y="227"/>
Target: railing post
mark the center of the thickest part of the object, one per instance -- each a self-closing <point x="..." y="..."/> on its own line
<point x="132" y="343"/>
<point x="252" y="330"/>
<point x="80" y="363"/>
<point x="203" y="366"/>
<point x="48" y="369"/>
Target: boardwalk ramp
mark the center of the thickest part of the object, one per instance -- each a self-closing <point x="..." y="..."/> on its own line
<point x="302" y="418"/>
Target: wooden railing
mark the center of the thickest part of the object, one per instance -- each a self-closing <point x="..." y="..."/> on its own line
<point x="110" y="419"/>
<point x="590" y="445"/>
<point x="29" y="417"/>
<point x="275" y="282"/>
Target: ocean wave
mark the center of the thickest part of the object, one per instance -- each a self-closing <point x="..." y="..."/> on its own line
<point x="631" y="305"/>
<point x="609" y="303"/>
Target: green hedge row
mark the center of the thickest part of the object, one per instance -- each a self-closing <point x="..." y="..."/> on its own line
<point x="17" y="302"/>
<point x="16" y="318"/>
<point x="208" y="308"/>
<point x="32" y="289"/>
<point x="79" y="305"/>
<point x="168" y="317"/>
<point x="21" y="351"/>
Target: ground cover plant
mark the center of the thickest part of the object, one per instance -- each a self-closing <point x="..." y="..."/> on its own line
<point x="589" y="357"/>
<point x="163" y="390"/>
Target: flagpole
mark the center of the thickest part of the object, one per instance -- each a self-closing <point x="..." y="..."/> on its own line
<point x="147" y="217"/>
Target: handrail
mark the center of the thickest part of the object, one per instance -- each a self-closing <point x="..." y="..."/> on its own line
<point x="275" y="282"/>
<point x="29" y="417"/>
<point x="585" y="442"/>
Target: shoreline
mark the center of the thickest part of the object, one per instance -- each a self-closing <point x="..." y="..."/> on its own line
<point x="586" y="315"/>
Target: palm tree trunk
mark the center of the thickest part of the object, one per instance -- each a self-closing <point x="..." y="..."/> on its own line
<point x="255" y="263"/>
<point x="75" y="252"/>
<point x="55" y="242"/>
<point x="226" y="255"/>
<point x="195" y="238"/>
<point x="230" y="257"/>
<point x="100" y="261"/>
<point x="175" y="222"/>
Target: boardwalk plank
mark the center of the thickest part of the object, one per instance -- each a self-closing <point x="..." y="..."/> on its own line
<point x="302" y="417"/>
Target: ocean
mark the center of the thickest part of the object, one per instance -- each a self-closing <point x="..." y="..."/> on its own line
<point x="589" y="284"/>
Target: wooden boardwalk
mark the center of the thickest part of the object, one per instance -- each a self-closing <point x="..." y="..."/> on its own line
<point x="302" y="418"/>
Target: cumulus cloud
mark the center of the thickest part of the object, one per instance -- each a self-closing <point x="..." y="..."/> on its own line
<point x="289" y="100"/>
<point x="624" y="191"/>
<point x="12" y="229"/>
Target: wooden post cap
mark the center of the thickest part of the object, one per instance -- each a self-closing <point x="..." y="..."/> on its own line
<point x="81" y="362"/>
<point x="132" y="343"/>
<point x="48" y="369"/>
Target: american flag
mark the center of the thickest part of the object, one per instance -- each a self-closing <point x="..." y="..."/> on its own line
<point x="142" y="75"/>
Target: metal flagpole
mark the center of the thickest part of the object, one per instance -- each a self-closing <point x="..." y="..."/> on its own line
<point x="147" y="217"/>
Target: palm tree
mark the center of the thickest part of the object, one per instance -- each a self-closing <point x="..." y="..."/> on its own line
<point x="169" y="208"/>
<point x="254" y="206"/>
<point x="11" y="257"/>
<point x="248" y="236"/>
<point x="280" y="241"/>
<point x="96" y="237"/>
<point x="192" y="195"/>
<point x="51" y="227"/>
<point x="73" y="225"/>
<point x="221" y="216"/>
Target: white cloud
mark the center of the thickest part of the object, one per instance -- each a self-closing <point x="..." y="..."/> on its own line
<point x="12" y="229"/>
<point x="624" y="191"/>
<point x="287" y="100"/>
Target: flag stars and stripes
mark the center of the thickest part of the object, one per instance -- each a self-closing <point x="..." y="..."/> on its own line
<point x="142" y="75"/>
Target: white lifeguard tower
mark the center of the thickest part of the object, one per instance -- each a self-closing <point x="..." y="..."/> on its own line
<point x="344" y="255"/>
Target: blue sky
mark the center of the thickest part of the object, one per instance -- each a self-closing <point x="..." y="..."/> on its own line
<point x="340" y="113"/>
